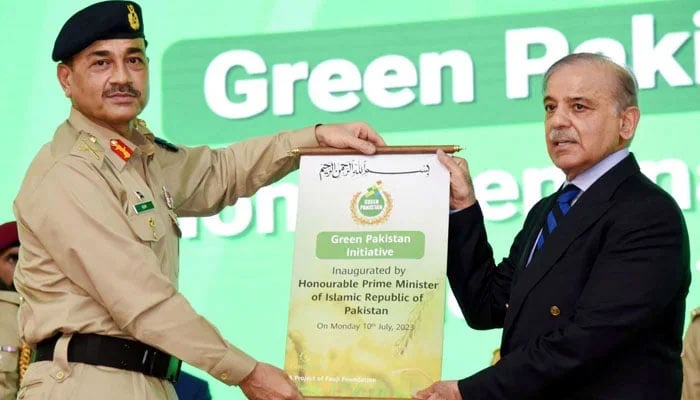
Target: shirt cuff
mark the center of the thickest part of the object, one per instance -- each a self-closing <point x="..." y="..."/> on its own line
<point x="305" y="137"/>
<point x="235" y="366"/>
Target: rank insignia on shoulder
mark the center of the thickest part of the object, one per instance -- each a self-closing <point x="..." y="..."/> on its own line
<point x="166" y="145"/>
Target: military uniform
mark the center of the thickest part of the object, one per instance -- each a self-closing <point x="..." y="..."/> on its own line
<point x="691" y="358"/>
<point x="97" y="221"/>
<point x="9" y="344"/>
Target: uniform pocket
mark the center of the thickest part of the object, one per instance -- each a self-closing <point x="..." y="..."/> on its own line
<point x="31" y="389"/>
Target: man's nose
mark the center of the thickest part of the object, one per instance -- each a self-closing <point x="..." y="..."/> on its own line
<point x="558" y="118"/>
<point x="121" y="74"/>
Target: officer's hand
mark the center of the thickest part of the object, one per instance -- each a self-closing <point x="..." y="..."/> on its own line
<point x="461" y="188"/>
<point x="443" y="390"/>
<point x="267" y="382"/>
<point x="355" y="135"/>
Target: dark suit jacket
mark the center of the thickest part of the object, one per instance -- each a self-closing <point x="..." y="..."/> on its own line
<point x="598" y="312"/>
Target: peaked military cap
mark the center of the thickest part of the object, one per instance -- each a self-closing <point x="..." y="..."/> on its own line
<point x="8" y="235"/>
<point x="113" y="19"/>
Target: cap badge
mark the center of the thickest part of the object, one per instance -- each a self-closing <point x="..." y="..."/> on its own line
<point x="133" y="17"/>
<point x="120" y="149"/>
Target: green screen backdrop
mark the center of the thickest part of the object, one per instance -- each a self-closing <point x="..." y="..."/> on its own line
<point x="464" y="72"/>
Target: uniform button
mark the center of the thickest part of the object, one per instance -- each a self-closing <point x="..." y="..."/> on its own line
<point x="224" y="376"/>
<point x="555" y="311"/>
<point x="155" y="235"/>
<point x="507" y="305"/>
<point x="60" y="375"/>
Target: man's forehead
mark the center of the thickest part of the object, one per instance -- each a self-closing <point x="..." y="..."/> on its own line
<point x="583" y="81"/>
<point x="115" y="46"/>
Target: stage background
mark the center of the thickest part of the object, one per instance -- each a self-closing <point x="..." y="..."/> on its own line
<point x="235" y="267"/>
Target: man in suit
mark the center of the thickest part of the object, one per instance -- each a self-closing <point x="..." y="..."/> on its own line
<point x="591" y="296"/>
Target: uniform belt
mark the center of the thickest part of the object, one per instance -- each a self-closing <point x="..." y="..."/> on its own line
<point x="110" y="351"/>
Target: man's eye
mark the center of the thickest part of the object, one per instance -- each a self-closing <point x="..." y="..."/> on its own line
<point x="12" y="258"/>
<point x="549" y="107"/>
<point x="135" y="60"/>
<point x="578" y="107"/>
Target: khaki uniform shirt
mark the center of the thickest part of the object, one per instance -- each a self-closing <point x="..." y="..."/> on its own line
<point x="9" y="344"/>
<point x="691" y="358"/>
<point x="96" y="216"/>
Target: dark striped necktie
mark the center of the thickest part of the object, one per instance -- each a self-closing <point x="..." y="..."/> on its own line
<point x="560" y="208"/>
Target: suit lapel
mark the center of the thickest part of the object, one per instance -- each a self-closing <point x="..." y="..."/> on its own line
<point x="588" y="209"/>
<point x="532" y="230"/>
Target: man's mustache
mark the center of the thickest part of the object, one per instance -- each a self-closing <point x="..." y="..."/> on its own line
<point x="561" y="135"/>
<point x="122" y="89"/>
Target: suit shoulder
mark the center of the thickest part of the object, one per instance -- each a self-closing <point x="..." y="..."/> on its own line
<point x="643" y="193"/>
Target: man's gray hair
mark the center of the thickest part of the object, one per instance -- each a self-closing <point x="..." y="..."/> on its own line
<point x="626" y="92"/>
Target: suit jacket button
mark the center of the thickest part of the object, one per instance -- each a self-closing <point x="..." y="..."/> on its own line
<point x="555" y="311"/>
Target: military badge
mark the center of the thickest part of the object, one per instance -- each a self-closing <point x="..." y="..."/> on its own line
<point x="133" y="17"/>
<point x="120" y="149"/>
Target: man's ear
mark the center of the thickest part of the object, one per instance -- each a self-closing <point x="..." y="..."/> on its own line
<point x="64" y="74"/>
<point x="629" y="118"/>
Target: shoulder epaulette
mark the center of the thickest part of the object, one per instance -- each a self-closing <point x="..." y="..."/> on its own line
<point x="88" y="147"/>
<point x="695" y="313"/>
<point x="165" y="144"/>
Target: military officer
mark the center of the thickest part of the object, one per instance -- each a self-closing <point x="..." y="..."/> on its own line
<point x="691" y="358"/>
<point x="9" y="301"/>
<point x="97" y="217"/>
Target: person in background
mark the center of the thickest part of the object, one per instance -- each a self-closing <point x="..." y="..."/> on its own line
<point x="591" y="296"/>
<point x="9" y="302"/>
<point x="691" y="358"/>
<point x="97" y="216"/>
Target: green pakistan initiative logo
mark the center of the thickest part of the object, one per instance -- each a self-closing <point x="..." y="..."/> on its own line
<point x="373" y="207"/>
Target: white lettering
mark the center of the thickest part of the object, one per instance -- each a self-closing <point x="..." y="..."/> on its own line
<point x="534" y="180"/>
<point x="649" y="58"/>
<point x="284" y="77"/>
<point x="519" y="68"/>
<point x="335" y="76"/>
<point x="390" y="72"/>
<point x="491" y="186"/>
<point x="431" y="67"/>
<point x="265" y="206"/>
<point x="254" y="90"/>
<point x="496" y="186"/>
